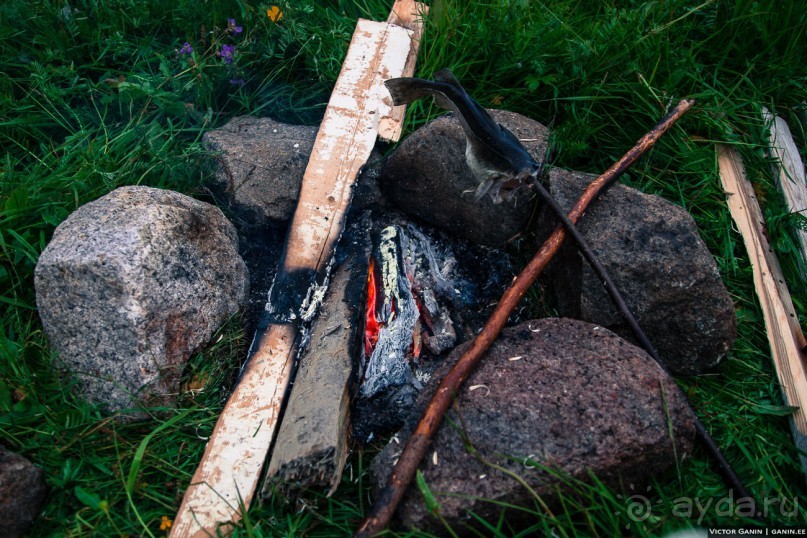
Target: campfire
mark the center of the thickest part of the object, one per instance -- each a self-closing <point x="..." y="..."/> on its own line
<point x="411" y="317"/>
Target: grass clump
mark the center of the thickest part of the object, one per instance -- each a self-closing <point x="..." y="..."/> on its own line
<point x="95" y="95"/>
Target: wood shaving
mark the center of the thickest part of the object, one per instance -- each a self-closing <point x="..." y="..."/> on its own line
<point x="474" y="387"/>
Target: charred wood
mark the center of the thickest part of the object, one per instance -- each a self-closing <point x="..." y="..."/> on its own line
<point x="312" y="443"/>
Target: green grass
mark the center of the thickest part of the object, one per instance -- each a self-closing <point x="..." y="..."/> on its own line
<point x="94" y="95"/>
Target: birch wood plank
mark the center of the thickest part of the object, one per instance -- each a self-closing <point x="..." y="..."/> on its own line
<point x="790" y="177"/>
<point x="784" y="332"/>
<point x="311" y="445"/>
<point x="225" y="481"/>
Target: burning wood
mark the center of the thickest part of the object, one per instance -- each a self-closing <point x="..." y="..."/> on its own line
<point x="311" y="445"/>
<point x="361" y="322"/>
<point x="411" y="289"/>
<point x="395" y="316"/>
<point x="312" y="442"/>
<point x="404" y="284"/>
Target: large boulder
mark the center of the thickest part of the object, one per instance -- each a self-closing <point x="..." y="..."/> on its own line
<point x="427" y="176"/>
<point x="652" y="250"/>
<point x="554" y="393"/>
<point x="132" y="284"/>
<point x="22" y="493"/>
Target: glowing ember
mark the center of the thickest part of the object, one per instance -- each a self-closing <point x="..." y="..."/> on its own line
<point x="416" y="340"/>
<point x="371" y="325"/>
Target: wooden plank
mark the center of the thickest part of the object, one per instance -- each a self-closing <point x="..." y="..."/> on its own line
<point x="785" y="336"/>
<point x="790" y="176"/>
<point x="312" y="443"/>
<point x="408" y="14"/>
<point x="225" y="481"/>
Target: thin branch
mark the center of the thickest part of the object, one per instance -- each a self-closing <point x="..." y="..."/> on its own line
<point x="418" y="443"/>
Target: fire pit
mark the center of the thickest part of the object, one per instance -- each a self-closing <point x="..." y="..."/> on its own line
<point x="402" y="294"/>
<point x="424" y="294"/>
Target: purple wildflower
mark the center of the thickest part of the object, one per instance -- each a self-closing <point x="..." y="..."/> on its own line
<point x="237" y="82"/>
<point x="186" y="48"/>
<point x="227" y="52"/>
<point x="233" y="27"/>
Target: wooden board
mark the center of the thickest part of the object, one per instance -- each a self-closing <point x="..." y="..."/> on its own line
<point x="407" y="14"/>
<point x="784" y="333"/>
<point x="312" y="443"/>
<point x="225" y="481"/>
<point x="790" y="174"/>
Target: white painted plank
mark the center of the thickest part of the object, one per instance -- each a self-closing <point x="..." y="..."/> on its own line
<point x="410" y="15"/>
<point x="345" y="139"/>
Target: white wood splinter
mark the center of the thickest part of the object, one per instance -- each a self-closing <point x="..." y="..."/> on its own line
<point x="781" y="323"/>
<point x="790" y="177"/>
<point x="225" y="480"/>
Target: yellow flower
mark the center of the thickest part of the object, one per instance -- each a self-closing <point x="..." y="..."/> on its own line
<point x="274" y="13"/>
<point x="165" y="523"/>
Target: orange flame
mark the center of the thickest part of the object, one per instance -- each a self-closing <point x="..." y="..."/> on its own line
<point x="371" y="325"/>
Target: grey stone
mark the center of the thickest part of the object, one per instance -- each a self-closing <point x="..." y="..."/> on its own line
<point x="426" y="176"/>
<point x="559" y="393"/>
<point x="132" y="284"/>
<point x="260" y="165"/>
<point x="367" y="193"/>
<point x="22" y="493"/>
<point x="652" y="250"/>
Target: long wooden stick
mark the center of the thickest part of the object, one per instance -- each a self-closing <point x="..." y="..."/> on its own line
<point x="226" y="479"/>
<point x="418" y="443"/>
<point x="786" y="339"/>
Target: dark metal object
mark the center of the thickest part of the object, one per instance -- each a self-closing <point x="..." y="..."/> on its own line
<point x="493" y="153"/>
